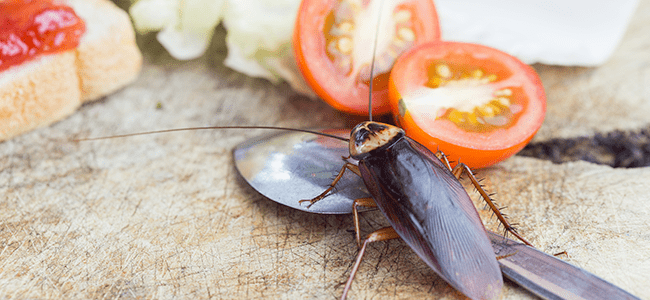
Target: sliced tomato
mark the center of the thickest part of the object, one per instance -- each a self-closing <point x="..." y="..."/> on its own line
<point x="333" y="42"/>
<point x="476" y="104"/>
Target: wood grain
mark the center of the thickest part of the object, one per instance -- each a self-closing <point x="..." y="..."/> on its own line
<point x="166" y="216"/>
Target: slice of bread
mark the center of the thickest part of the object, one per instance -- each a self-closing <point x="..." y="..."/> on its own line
<point x="49" y="88"/>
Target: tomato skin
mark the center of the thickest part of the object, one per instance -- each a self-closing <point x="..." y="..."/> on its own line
<point x="341" y="91"/>
<point x="475" y="149"/>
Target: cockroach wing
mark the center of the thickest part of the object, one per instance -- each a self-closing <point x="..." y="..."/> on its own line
<point x="432" y="213"/>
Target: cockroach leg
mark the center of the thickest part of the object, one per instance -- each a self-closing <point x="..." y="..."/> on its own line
<point x="348" y="166"/>
<point x="442" y="157"/>
<point x="458" y="170"/>
<point x="384" y="234"/>
<point x="562" y="253"/>
<point x="361" y="202"/>
<point x="352" y="167"/>
<point x="506" y="255"/>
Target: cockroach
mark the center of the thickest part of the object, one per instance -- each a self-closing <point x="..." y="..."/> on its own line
<point x="426" y="205"/>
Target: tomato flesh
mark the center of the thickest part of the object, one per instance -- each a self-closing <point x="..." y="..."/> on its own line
<point x="33" y="27"/>
<point x="476" y="104"/>
<point x="333" y="42"/>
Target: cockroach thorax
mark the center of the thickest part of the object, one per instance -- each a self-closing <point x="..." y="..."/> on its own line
<point x="368" y="136"/>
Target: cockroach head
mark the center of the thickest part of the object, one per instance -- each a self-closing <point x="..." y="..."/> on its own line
<point x="369" y="136"/>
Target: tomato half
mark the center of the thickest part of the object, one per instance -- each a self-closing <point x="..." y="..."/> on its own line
<point x="476" y="104"/>
<point x="333" y="42"/>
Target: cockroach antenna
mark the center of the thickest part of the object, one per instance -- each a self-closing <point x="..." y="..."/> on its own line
<point x="372" y="62"/>
<point x="210" y="128"/>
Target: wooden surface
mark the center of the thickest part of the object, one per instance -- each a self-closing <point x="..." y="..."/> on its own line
<point x="166" y="216"/>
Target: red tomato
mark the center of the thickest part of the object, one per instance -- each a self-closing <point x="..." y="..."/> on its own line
<point x="477" y="104"/>
<point x="333" y="43"/>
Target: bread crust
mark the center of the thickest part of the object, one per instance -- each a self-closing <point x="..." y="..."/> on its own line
<point x="51" y="87"/>
<point x="38" y="93"/>
<point x="108" y="57"/>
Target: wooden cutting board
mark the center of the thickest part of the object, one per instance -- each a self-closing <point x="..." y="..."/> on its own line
<point x="167" y="216"/>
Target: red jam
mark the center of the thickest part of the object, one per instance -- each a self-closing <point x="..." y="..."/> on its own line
<point x="32" y="27"/>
